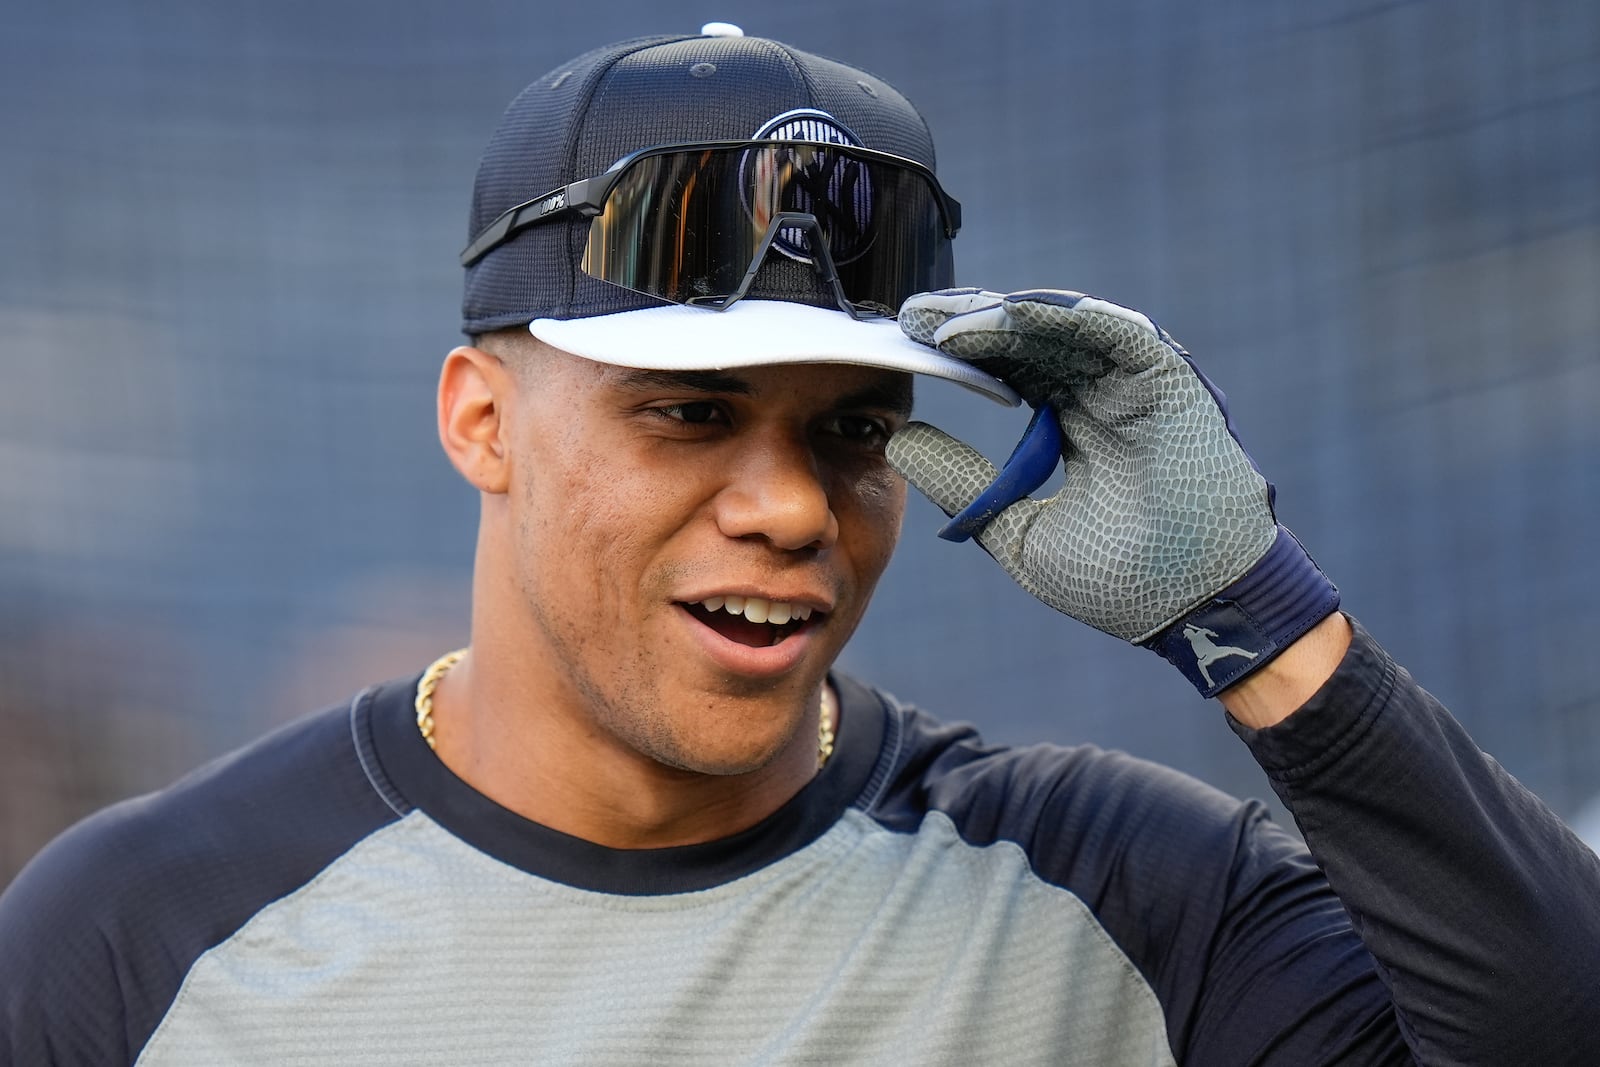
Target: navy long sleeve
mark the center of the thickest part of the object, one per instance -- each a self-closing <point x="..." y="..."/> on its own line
<point x="1480" y="907"/>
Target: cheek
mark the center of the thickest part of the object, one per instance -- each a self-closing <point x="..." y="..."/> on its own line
<point x="876" y="509"/>
<point x="592" y="523"/>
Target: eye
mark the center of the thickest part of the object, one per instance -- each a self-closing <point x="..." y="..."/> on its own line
<point x="862" y="429"/>
<point x="692" y="412"/>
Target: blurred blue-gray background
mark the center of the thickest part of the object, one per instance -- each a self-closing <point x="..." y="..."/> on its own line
<point x="228" y="237"/>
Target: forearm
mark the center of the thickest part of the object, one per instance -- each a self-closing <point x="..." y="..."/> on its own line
<point x="1480" y="908"/>
<point x="1273" y="693"/>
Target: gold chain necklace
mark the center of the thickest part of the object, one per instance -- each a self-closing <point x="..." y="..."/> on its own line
<point x="425" y="687"/>
<point x="441" y="666"/>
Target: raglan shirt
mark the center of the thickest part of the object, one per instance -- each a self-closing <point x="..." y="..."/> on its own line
<point x="334" y="894"/>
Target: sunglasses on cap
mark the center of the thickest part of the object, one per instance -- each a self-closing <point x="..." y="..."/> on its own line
<point x="693" y="224"/>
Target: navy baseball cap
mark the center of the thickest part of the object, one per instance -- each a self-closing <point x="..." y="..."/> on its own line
<point x="714" y="88"/>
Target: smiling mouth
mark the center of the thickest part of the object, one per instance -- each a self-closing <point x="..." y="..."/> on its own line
<point x="752" y="621"/>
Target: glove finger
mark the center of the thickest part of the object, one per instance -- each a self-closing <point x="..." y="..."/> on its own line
<point x="1040" y="365"/>
<point x="1118" y="384"/>
<point x="921" y="315"/>
<point x="1128" y="339"/>
<point x="952" y="474"/>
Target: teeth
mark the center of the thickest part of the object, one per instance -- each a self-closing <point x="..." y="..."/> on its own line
<point x="754" y="608"/>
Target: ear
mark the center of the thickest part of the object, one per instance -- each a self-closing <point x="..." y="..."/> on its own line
<point x="474" y="391"/>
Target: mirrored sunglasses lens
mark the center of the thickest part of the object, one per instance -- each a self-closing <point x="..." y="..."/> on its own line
<point x="685" y="225"/>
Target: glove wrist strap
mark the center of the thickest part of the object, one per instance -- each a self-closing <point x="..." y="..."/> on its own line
<point x="1241" y="628"/>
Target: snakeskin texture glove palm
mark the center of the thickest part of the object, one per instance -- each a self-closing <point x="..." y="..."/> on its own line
<point x="1164" y="532"/>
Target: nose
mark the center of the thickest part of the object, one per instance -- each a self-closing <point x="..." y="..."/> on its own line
<point x="777" y="493"/>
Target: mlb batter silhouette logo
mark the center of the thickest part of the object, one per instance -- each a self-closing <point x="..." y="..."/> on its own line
<point x="1206" y="653"/>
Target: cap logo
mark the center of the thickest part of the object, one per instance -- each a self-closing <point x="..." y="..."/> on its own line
<point x="806" y="124"/>
<point x="836" y="189"/>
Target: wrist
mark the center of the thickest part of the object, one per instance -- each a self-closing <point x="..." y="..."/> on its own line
<point x="1268" y="696"/>
<point x="1245" y="626"/>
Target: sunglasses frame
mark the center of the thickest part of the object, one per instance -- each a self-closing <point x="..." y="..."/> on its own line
<point x="587" y="197"/>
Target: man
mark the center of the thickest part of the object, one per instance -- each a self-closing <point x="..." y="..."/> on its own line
<point x="641" y="821"/>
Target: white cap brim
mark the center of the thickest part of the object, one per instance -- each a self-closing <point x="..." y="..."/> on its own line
<point x="755" y="333"/>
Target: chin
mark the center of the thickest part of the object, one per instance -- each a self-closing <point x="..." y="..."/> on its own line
<point x="742" y="744"/>
<point x="724" y="760"/>
<point x="724" y="768"/>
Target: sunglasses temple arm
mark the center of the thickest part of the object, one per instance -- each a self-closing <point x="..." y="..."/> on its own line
<point x="578" y="200"/>
<point x="820" y="259"/>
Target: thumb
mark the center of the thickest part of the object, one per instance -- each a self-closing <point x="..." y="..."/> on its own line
<point x="952" y="474"/>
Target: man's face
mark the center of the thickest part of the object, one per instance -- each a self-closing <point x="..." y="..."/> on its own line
<point x="645" y="505"/>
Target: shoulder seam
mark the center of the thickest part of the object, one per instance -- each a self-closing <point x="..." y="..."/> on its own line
<point x="368" y="758"/>
<point x="1091" y="921"/>
<point x="185" y="986"/>
<point x="894" y="740"/>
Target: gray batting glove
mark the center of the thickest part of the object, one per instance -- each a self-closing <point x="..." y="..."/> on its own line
<point x="1164" y="532"/>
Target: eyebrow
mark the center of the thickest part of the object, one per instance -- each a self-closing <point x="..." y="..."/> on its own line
<point x="699" y="381"/>
<point x="894" y="393"/>
<point x="895" y="398"/>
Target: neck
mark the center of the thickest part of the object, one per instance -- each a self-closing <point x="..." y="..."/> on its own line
<point x="537" y="760"/>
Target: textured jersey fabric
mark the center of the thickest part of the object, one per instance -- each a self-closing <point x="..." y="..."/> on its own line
<point x="333" y="894"/>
